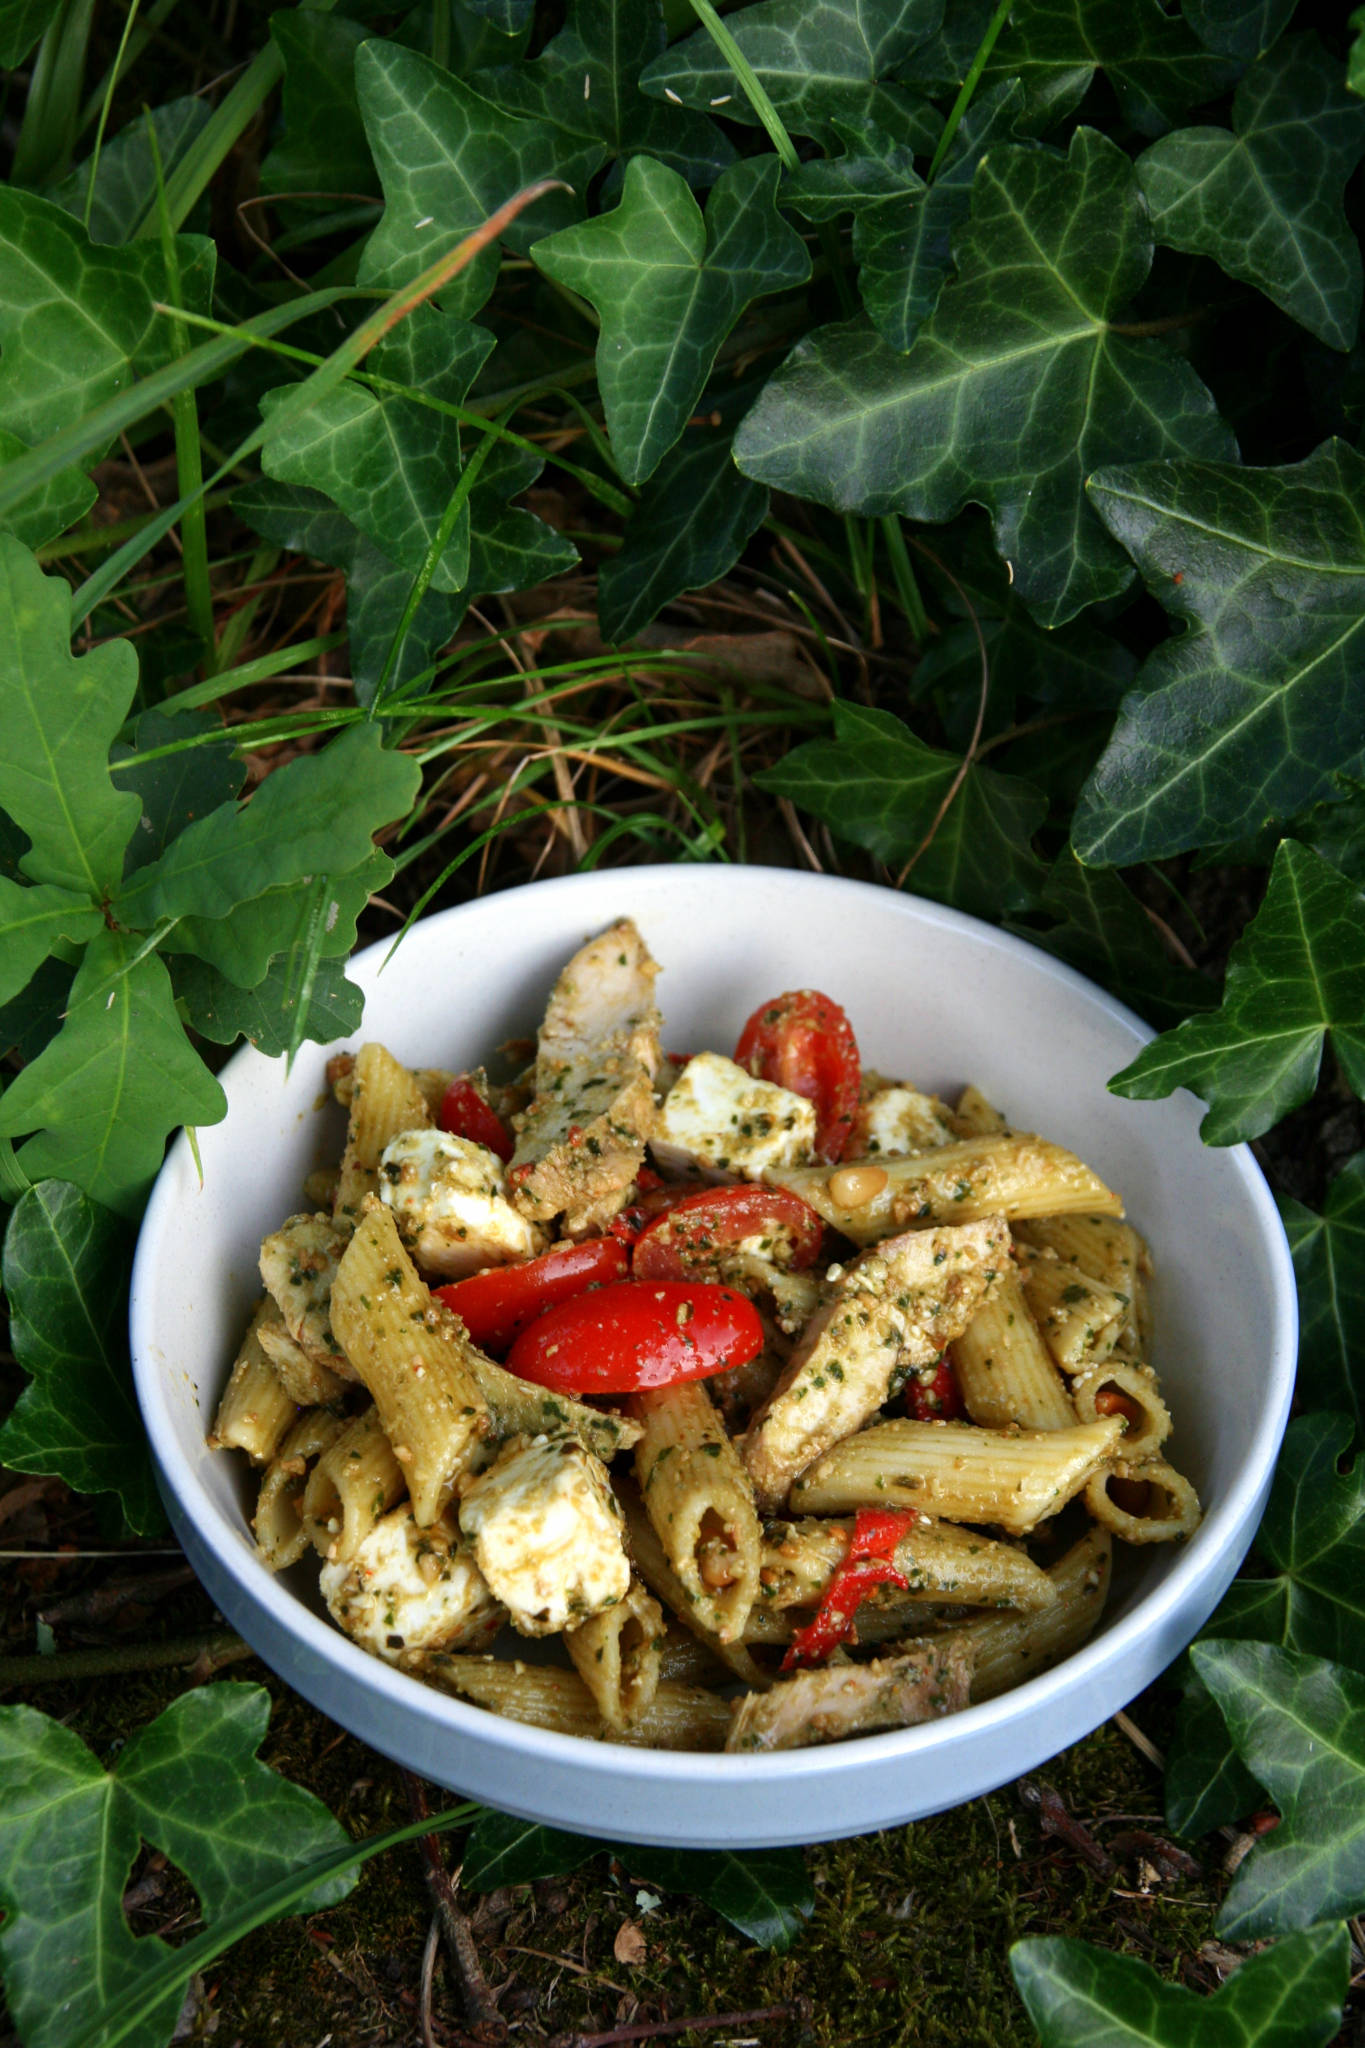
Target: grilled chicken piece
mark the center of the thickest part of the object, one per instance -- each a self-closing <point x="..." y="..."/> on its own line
<point x="919" y="1684"/>
<point x="298" y="1265"/>
<point x="583" y="1139"/>
<point x="896" y="1306"/>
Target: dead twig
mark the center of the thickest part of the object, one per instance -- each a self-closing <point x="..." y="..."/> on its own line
<point x="657" y="2030"/>
<point x="202" y="1654"/>
<point x="1054" y="1819"/>
<point x="476" y="1994"/>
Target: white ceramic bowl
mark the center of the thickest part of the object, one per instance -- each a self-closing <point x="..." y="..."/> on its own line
<point x="936" y="998"/>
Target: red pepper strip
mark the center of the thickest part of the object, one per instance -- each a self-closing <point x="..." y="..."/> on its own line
<point x="936" y="1399"/>
<point x="865" y="1564"/>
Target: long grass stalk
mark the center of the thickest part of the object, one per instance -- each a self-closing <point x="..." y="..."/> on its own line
<point x="189" y="461"/>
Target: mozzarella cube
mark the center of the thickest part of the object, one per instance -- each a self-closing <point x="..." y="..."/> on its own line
<point x="718" y="1117"/>
<point x="407" y="1588"/>
<point x="547" y="1533"/>
<point x="449" y="1200"/>
<point x="894" y="1120"/>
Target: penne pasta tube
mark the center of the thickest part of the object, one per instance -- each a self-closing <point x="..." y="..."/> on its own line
<point x="1079" y="1317"/>
<point x="685" y="1659"/>
<point x="940" y="1561"/>
<point x="1008" y="1648"/>
<point x="305" y="1381"/>
<point x="384" y="1100"/>
<point x="256" y="1410"/>
<point x="886" y="1616"/>
<point x="433" y="1081"/>
<point x="616" y="1654"/>
<point x="1107" y="1250"/>
<point x="356" y="1480"/>
<point x="698" y="1497"/>
<point x="281" y="1537"/>
<point x="1003" y="1367"/>
<point x="650" y="1560"/>
<point x="1015" y="1478"/>
<point x="1129" y="1391"/>
<point x="892" y="1310"/>
<point x="1008" y="1173"/>
<point x="520" y="1408"/>
<point x="680" y="1716"/>
<point x="413" y="1358"/>
<point x="1146" y="1503"/>
<point x="976" y="1116"/>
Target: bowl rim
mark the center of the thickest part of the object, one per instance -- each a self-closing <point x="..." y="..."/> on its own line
<point x="1227" y="1526"/>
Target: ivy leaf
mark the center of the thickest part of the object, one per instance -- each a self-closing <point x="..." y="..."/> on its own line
<point x="1296" y="973"/>
<point x="66" y="1268"/>
<point x="447" y="158"/>
<point x="377" y="590"/>
<point x="1313" y="1536"/>
<point x="1265" y="202"/>
<point x="117" y="1078"/>
<point x="818" y="65"/>
<point x="879" y="786"/>
<point x="125" y="175"/>
<point x="175" y="788"/>
<point x="32" y="922"/>
<point x="242" y="945"/>
<point x="766" y="1893"/>
<point x="1329" y="1262"/>
<point x="689" y="529"/>
<point x="1105" y="932"/>
<point x="509" y="17"/>
<point x="1287" y="1996"/>
<point x="315" y="815"/>
<point x="1017" y="386"/>
<point x="1251" y="711"/>
<point x="585" y="82"/>
<point x="1299" y="1726"/>
<point x="191" y="1785"/>
<point x="903" y="247"/>
<point x="500" y="1849"/>
<point x="267" y="1013"/>
<point x="872" y="170"/>
<point x="1244" y="29"/>
<point x="668" y="287"/>
<point x="78" y="321"/>
<point x="1156" y="67"/>
<point x="60" y="713"/>
<point x="1355" y="62"/>
<point x="389" y="462"/>
<point x="323" y="150"/>
<point x="1207" y="1785"/>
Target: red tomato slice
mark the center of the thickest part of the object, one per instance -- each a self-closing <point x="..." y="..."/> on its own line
<point x="687" y="1240"/>
<point x="803" y="1041"/>
<point x="496" y="1305"/>
<point x="630" y="1336"/>
<point x="465" y="1114"/>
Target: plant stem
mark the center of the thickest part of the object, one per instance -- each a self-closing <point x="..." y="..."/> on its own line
<point x="49" y="131"/>
<point x="220" y="1648"/>
<point x="969" y="84"/>
<point x="189" y="461"/>
<point x="750" y="82"/>
<point x="104" y="118"/>
<point x="129" y="50"/>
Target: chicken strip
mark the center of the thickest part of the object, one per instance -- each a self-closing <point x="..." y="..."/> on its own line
<point x="918" y="1684"/>
<point x="893" y="1310"/>
<point x="583" y="1139"/>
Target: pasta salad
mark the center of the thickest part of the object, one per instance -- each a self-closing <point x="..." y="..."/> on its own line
<point x="792" y="1401"/>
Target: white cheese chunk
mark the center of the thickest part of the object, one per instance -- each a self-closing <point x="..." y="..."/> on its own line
<point x="449" y="1200"/>
<point x="407" y="1588"/>
<point x="547" y="1533"/>
<point x="895" y="1119"/>
<point x="718" y="1117"/>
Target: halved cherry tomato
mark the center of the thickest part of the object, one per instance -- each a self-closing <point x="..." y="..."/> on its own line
<point x="935" y="1396"/>
<point x="803" y="1041"/>
<point x="465" y="1114"/>
<point x="495" y="1306"/>
<point x="687" y="1240"/>
<point x="636" y="1335"/>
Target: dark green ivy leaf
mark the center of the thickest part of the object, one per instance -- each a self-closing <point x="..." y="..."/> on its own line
<point x="125" y="175"/>
<point x="1296" y="973"/>
<point x="323" y="152"/>
<point x="189" y="1784"/>
<point x="1017" y="386"/>
<point x="1355" y="62"/>
<point x="447" y="159"/>
<point x="1244" y="29"/>
<point x="118" y="1077"/>
<point x="765" y="1893"/>
<point x="1265" y="202"/>
<point x="1251" y="712"/>
<point x="1299" y="1726"/>
<point x="877" y="785"/>
<point x="1154" y="64"/>
<point x="1329" y="1262"/>
<point x="585" y="83"/>
<point x="1287" y="1996"/>
<point x="689" y="528"/>
<point x="668" y="286"/>
<point x="1105" y="932"/>
<point x="1313" y="1537"/>
<point x="500" y="1849"/>
<point x="66" y="1267"/>
<point x="818" y="65"/>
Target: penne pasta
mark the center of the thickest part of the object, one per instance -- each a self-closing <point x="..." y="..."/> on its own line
<point x="355" y="1481"/>
<point x="1015" y="1478"/>
<point x="616" y="1654"/>
<point x="384" y="1101"/>
<point x="1007" y="1649"/>
<point x="920" y="1683"/>
<point x="1079" y="1317"/>
<point x="679" y="1717"/>
<point x="281" y="1537"/>
<point x="648" y="1556"/>
<point x="941" y="1562"/>
<point x="1003" y="1367"/>
<point x="1131" y="1392"/>
<point x="698" y="1496"/>
<point x="256" y="1410"/>
<point x="1146" y="1503"/>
